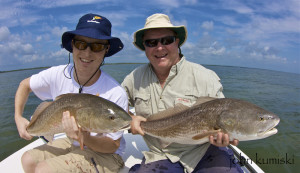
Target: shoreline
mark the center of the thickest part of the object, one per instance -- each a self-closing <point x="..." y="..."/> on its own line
<point x="124" y="63"/>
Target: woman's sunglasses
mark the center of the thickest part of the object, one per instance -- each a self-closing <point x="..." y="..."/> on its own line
<point x="164" y="41"/>
<point x="95" y="47"/>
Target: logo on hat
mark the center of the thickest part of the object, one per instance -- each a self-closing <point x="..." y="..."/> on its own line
<point x="94" y="19"/>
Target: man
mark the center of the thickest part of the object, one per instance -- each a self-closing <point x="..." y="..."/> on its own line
<point x="167" y="80"/>
<point x="89" y="43"/>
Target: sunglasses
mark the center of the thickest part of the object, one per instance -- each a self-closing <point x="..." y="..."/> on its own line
<point x="164" y="41"/>
<point x="95" y="47"/>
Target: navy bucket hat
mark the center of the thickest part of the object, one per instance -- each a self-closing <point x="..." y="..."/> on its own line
<point x="93" y="26"/>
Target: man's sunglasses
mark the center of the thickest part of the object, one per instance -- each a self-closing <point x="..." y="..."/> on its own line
<point x="95" y="47"/>
<point x="164" y="41"/>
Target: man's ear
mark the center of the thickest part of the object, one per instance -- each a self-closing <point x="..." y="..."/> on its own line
<point x="107" y="49"/>
<point x="177" y="41"/>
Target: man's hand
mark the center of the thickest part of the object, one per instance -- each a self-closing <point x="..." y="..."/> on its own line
<point x="136" y="125"/>
<point x="222" y="140"/>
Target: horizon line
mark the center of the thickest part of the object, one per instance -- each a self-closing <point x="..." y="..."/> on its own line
<point x="32" y="68"/>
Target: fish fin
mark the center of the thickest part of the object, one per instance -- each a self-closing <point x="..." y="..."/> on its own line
<point x="177" y="108"/>
<point x="49" y="137"/>
<point x="38" y="111"/>
<point x="164" y="143"/>
<point x="168" y="112"/>
<point x="80" y="139"/>
<point x="205" y="134"/>
<point x="63" y="95"/>
<point x="201" y="100"/>
<point x="60" y="96"/>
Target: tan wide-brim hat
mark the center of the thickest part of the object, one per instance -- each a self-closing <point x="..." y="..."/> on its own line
<point x="159" y="21"/>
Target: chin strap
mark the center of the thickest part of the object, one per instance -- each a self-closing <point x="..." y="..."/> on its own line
<point x="180" y="54"/>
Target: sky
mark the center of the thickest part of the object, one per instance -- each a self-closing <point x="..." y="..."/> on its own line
<point x="247" y="33"/>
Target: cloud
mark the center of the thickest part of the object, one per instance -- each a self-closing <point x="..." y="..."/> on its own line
<point x="13" y="43"/>
<point x="247" y="31"/>
<point x="208" y="25"/>
<point x="237" y="6"/>
<point x="19" y="48"/>
<point x="16" y="13"/>
<point x="276" y="25"/>
<point x="129" y="53"/>
<point x="39" y="38"/>
<point x="29" y="58"/>
<point x="278" y="32"/>
<point x="232" y="51"/>
<point x="190" y="2"/>
<point x="62" y="3"/>
<point x="263" y="53"/>
<point x="119" y="19"/>
<point x="16" y="49"/>
<point x="168" y="3"/>
<point x="269" y="23"/>
<point x="213" y="49"/>
<point x="284" y="8"/>
<point x="59" y="56"/>
<point x="58" y="31"/>
<point x="4" y="33"/>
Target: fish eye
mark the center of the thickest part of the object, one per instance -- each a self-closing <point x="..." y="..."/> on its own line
<point x="261" y="119"/>
<point x="111" y="117"/>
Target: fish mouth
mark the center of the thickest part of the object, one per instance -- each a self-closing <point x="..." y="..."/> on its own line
<point x="271" y="131"/>
<point x="126" y="127"/>
<point x="267" y="133"/>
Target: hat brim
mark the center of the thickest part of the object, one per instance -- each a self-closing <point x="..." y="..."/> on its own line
<point x="115" y="43"/>
<point x="138" y="35"/>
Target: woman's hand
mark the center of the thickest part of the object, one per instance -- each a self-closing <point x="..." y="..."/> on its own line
<point x="22" y="124"/>
<point x="70" y="126"/>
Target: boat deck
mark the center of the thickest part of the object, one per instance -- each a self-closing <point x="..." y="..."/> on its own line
<point x="133" y="155"/>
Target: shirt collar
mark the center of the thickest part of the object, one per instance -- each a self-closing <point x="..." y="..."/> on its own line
<point x="176" y="68"/>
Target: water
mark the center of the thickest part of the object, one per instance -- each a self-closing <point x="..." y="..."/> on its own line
<point x="277" y="92"/>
